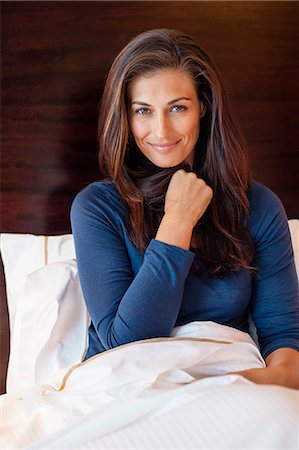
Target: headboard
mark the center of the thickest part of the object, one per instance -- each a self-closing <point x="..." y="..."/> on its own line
<point x="55" y="56"/>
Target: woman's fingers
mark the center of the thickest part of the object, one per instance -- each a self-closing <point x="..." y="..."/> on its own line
<point x="187" y="196"/>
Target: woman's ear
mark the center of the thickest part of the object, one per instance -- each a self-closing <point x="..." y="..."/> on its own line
<point x="202" y="109"/>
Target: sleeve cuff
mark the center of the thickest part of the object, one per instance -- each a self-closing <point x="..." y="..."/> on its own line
<point x="171" y="250"/>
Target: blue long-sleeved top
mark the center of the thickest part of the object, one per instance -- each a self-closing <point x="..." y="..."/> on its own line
<point x="131" y="295"/>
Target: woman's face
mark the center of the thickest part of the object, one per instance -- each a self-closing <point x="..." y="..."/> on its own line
<point x="164" y="116"/>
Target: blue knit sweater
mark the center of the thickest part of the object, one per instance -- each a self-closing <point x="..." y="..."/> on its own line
<point x="132" y="295"/>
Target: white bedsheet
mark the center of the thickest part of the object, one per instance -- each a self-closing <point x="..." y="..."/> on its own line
<point x="168" y="393"/>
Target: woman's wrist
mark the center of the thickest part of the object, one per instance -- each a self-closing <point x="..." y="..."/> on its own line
<point x="175" y="231"/>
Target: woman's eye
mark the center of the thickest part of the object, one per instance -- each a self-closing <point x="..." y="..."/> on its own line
<point x="178" y="108"/>
<point x="142" y="111"/>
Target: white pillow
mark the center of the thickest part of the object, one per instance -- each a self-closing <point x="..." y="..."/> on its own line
<point x="47" y="312"/>
<point x="25" y="253"/>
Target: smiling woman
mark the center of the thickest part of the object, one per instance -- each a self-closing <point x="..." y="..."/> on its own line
<point x="177" y="231"/>
<point x="165" y="117"/>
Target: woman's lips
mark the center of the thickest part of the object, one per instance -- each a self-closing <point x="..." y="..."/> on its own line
<point x="164" y="148"/>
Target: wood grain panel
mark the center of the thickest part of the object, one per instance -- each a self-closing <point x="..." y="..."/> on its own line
<point x="55" y="56"/>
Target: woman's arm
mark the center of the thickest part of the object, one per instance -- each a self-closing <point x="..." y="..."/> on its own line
<point x="131" y="296"/>
<point x="282" y="369"/>
<point x="275" y="299"/>
<point x="186" y="200"/>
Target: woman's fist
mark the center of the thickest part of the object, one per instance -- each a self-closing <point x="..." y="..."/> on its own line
<point x="187" y="197"/>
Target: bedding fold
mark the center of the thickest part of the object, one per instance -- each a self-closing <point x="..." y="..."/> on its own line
<point x="130" y="386"/>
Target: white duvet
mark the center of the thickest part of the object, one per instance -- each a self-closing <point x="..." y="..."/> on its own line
<point x="169" y="393"/>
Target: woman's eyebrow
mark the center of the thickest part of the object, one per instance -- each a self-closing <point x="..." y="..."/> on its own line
<point x="178" y="99"/>
<point x="137" y="102"/>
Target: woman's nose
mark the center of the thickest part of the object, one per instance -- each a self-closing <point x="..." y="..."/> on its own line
<point x="161" y="126"/>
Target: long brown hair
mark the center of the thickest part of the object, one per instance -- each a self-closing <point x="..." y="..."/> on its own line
<point x="220" y="239"/>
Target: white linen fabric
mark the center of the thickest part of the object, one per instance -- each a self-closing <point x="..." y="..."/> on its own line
<point x="158" y="393"/>
<point x="38" y="312"/>
<point x="47" y="312"/>
<point x="51" y="326"/>
<point x="161" y="393"/>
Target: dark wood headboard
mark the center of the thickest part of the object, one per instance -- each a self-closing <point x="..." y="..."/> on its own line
<point x="55" y="56"/>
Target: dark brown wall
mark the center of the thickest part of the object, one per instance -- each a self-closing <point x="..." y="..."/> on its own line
<point x="54" y="59"/>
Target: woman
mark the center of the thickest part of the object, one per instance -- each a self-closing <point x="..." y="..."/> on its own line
<point x="177" y="231"/>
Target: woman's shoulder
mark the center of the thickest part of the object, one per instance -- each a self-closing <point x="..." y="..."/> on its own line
<point x="97" y="188"/>
<point x="261" y="196"/>
<point x="97" y="191"/>
<point x="98" y="196"/>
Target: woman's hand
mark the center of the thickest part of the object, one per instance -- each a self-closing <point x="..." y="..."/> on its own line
<point x="187" y="197"/>
<point x="282" y="369"/>
<point x="186" y="200"/>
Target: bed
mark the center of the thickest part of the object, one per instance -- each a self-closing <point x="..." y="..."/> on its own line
<point x="169" y="393"/>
